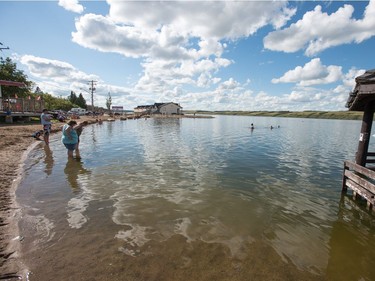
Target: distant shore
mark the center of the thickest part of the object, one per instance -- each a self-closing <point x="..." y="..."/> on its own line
<point x="343" y="115"/>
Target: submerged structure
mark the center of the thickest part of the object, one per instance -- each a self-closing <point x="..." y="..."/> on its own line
<point x="359" y="176"/>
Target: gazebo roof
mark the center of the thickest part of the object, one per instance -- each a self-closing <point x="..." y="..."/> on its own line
<point x="12" y="83"/>
<point x="363" y="93"/>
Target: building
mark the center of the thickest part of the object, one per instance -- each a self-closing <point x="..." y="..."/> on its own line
<point x="168" y="108"/>
<point x="143" y="109"/>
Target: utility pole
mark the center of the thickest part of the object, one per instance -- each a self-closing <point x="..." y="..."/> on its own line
<point x="92" y="89"/>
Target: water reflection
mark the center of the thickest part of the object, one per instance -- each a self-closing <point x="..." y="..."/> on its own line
<point x="77" y="177"/>
<point x="73" y="169"/>
<point x="48" y="160"/>
<point x="211" y="182"/>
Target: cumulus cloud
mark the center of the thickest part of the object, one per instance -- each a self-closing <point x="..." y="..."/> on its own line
<point x="182" y="48"/>
<point x="349" y="78"/>
<point x="160" y="75"/>
<point x="180" y="42"/>
<point x="71" y="5"/>
<point x="221" y="19"/>
<point x="54" y="69"/>
<point x="59" y="78"/>
<point x="169" y="29"/>
<point x="304" y="97"/>
<point x="102" y="34"/>
<point x="312" y="73"/>
<point x="318" y="31"/>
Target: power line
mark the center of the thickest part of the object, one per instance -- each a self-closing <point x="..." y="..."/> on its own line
<point x="3" y="48"/>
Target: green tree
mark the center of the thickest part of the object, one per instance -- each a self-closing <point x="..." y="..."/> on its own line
<point x="54" y="103"/>
<point x="81" y="102"/>
<point x="109" y="102"/>
<point x="73" y="97"/>
<point x="78" y="101"/>
<point x="9" y="72"/>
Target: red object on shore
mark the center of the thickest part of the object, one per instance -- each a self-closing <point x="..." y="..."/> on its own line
<point x="12" y="83"/>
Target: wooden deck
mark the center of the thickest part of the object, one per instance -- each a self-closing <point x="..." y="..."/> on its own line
<point x="361" y="180"/>
<point x="20" y="108"/>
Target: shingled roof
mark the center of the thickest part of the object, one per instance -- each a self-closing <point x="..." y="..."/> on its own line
<point x="363" y="93"/>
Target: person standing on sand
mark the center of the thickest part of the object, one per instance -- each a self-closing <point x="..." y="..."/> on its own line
<point x="45" y="119"/>
<point x="69" y="137"/>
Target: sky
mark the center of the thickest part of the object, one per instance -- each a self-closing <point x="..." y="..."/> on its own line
<point x="203" y="55"/>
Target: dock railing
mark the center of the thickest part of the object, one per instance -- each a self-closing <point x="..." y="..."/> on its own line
<point x="361" y="180"/>
<point x="21" y="105"/>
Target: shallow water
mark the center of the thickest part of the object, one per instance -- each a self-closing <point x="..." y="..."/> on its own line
<point x="197" y="199"/>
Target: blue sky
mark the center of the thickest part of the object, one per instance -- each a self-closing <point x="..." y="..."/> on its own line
<point x="223" y="55"/>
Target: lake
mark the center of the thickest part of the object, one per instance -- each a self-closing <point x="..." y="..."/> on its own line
<point x="197" y="199"/>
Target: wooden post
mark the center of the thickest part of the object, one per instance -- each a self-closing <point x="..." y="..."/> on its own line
<point x="344" y="187"/>
<point x="364" y="137"/>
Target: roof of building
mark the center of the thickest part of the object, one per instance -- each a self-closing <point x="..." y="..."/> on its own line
<point x="156" y="105"/>
<point x="166" y="103"/>
<point x="12" y="83"/>
<point x="144" y="106"/>
<point x="363" y="93"/>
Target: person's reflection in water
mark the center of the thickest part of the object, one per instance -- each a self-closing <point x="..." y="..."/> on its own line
<point x="48" y="160"/>
<point x="73" y="170"/>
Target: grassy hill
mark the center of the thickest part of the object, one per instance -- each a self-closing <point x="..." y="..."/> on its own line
<point x="348" y="115"/>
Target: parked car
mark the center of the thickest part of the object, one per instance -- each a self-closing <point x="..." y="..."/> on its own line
<point x="77" y="111"/>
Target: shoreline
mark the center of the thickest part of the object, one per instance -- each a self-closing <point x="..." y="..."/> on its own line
<point x="16" y="142"/>
<point x="15" y="145"/>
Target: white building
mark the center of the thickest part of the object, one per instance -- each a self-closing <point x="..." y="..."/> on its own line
<point x="159" y="108"/>
<point x="168" y="108"/>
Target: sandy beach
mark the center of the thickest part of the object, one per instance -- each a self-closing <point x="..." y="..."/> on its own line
<point x="16" y="142"/>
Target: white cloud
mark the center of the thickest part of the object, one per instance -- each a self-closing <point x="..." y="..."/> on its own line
<point x="101" y="33"/>
<point x="230" y="84"/>
<point x="54" y="70"/>
<point x="349" y="78"/>
<point x="182" y="47"/>
<point x="318" y="31"/>
<point x="205" y="19"/>
<point x="180" y="42"/>
<point x="312" y="73"/>
<point x="180" y="30"/>
<point x="71" y="5"/>
<point x="59" y="78"/>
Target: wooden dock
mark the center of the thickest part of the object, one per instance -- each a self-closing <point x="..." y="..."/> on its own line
<point x="361" y="181"/>
<point x="359" y="176"/>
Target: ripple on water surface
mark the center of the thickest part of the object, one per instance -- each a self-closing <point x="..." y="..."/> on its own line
<point x="202" y="199"/>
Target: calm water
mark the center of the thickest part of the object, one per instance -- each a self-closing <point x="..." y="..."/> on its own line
<point x="197" y="199"/>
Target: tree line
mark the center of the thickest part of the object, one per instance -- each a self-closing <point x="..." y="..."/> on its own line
<point x="9" y="72"/>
